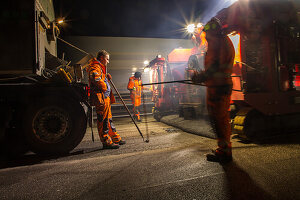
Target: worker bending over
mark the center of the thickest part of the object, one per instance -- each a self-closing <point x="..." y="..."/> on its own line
<point x="217" y="77"/>
<point x="102" y="98"/>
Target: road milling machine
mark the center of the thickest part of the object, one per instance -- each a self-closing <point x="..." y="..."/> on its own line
<point x="187" y="100"/>
<point x="162" y="94"/>
<point x="266" y="37"/>
<point x="174" y="97"/>
<point x="42" y="100"/>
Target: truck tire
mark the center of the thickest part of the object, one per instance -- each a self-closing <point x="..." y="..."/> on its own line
<point x="54" y="126"/>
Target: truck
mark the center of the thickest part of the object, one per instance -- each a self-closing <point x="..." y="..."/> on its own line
<point x="43" y="100"/>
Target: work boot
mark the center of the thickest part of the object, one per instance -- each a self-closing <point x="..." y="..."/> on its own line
<point x="219" y="155"/>
<point x="110" y="146"/>
<point x="121" y="142"/>
<point x="137" y="118"/>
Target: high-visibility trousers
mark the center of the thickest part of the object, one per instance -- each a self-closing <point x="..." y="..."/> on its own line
<point x="218" y="102"/>
<point x="135" y="99"/>
<point x="106" y="129"/>
<point x="136" y="102"/>
<point x="136" y="112"/>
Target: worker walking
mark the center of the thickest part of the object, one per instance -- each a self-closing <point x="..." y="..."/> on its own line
<point x="217" y="77"/>
<point x="102" y="97"/>
<point x="135" y="88"/>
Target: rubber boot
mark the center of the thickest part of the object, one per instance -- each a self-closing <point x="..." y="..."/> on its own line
<point x="110" y="146"/>
<point x="222" y="154"/>
<point x="121" y="142"/>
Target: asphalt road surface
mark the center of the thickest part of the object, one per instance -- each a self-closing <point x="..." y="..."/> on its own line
<point x="171" y="166"/>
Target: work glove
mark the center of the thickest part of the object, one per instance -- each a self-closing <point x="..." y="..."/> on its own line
<point x="133" y="88"/>
<point x="198" y="77"/>
<point x="108" y="76"/>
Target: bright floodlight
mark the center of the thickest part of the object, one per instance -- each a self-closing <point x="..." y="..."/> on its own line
<point x="190" y="28"/>
<point x="60" y="21"/>
<point x="146" y="62"/>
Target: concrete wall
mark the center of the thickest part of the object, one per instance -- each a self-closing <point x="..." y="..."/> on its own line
<point x="127" y="54"/>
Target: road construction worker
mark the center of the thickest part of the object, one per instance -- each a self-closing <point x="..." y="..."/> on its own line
<point x="135" y="88"/>
<point x="199" y="41"/>
<point x="217" y="78"/>
<point x="102" y="97"/>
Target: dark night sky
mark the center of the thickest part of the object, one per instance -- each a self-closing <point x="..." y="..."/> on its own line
<point x="132" y="18"/>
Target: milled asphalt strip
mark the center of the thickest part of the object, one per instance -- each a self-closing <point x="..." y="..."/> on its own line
<point x="198" y="127"/>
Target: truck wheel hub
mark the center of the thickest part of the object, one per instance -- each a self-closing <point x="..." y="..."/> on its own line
<point x="51" y="124"/>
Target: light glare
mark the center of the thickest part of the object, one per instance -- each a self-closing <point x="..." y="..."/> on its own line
<point x="60" y="21"/>
<point x="190" y="28"/>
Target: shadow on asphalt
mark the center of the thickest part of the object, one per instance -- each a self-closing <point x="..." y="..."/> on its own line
<point x="241" y="185"/>
<point x="32" y="158"/>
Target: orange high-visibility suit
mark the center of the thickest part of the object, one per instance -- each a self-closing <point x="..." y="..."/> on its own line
<point x="135" y="88"/>
<point x="217" y="77"/>
<point x="102" y="98"/>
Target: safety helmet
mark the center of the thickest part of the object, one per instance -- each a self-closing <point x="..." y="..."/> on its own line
<point x="213" y="26"/>
<point x="137" y="74"/>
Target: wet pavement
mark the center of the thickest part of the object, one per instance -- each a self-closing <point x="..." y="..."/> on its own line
<point x="171" y="166"/>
